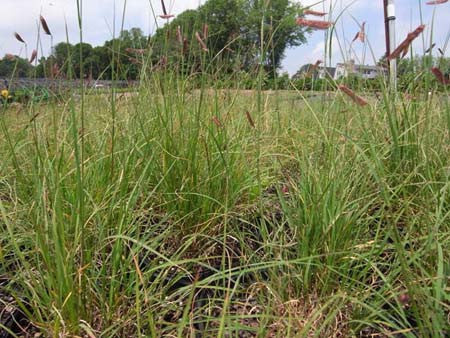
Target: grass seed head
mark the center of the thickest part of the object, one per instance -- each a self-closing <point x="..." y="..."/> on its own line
<point x="315" y="13"/>
<point x="436" y="2"/>
<point x="217" y="122"/>
<point x="357" y="99"/>
<point x="430" y="48"/>
<point x="406" y="43"/>
<point x="33" y="56"/>
<point x="135" y="51"/>
<point x="44" y="25"/>
<point x="201" y="42"/>
<point x="315" y="24"/>
<point x="205" y="31"/>
<point x="361" y="35"/>
<point x="440" y="76"/>
<point x="18" y="37"/>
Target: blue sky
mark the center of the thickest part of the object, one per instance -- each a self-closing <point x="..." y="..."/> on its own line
<point x="22" y="15"/>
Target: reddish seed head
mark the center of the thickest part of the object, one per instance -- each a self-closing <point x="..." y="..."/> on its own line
<point x="33" y="56"/>
<point x="406" y="43"/>
<point x="315" y="13"/>
<point x="314" y="23"/>
<point x="18" y="37"/>
<point x="135" y="51"/>
<point x="436" y="2"/>
<point x="200" y="41"/>
<point x="405" y="51"/>
<point x="361" y="35"/>
<point x="44" y="25"/>
<point x="357" y="99"/>
<point x="217" y="122"/>
<point x="205" y="31"/>
<point x="440" y="76"/>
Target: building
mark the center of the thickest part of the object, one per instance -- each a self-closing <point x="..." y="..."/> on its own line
<point x="341" y="70"/>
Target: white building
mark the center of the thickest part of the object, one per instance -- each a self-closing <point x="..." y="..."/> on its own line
<point x="343" y="70"/>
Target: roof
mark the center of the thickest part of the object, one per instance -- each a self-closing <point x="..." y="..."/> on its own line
<point x="329" y="70"/>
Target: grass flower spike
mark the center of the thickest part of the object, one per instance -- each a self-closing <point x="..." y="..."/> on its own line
<point x="315" y="24"/>
<point x="357" y="99"/>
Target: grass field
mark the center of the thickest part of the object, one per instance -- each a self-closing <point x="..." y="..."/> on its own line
<point x="183" y="209"/>
<point x="179" y="212"/>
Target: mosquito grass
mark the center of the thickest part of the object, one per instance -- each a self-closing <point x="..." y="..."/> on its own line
<point x="135" y="214"/>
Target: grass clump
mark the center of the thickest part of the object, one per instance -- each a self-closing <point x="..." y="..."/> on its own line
<point x="348" y="233"/>
<point x="186" y="208"/>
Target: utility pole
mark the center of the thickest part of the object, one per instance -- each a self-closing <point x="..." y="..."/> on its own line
<point x="389" y="24"/>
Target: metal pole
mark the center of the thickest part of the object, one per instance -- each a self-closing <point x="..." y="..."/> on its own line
<point x="390" y="17"/>
<point x="386" y="29"/>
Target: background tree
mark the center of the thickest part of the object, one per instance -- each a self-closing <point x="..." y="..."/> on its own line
<point x="235" y="33"/>
<point x="15" y="67"/>
<point x="278" y="22"/>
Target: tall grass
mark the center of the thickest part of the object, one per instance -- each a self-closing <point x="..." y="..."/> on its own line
<point x="164" y="212"/>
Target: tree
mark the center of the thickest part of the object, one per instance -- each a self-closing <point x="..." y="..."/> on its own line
<point x="15" y="66"/>
<point x="123" y="53"/>
<point x="235" y="33"/>
<point x="274" y="23"/>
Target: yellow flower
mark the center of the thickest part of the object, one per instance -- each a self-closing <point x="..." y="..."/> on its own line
<point x="5" y="94"/>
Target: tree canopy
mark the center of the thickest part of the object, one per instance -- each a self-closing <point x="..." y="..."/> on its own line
<point x="238" y="31"/>
<point x="237" y="35"/>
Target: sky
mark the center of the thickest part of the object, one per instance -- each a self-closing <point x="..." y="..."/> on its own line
<point x="102" y="20"/>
